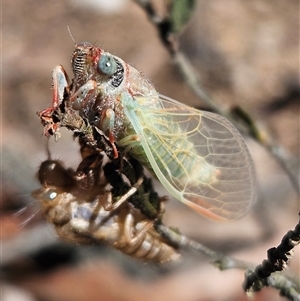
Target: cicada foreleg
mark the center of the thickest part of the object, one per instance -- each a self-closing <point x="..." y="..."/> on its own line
<point x="61" y="91"/>
<point x="88" y="173"/>
<point x="86" y="94"/>
<point x="82" y="96"/>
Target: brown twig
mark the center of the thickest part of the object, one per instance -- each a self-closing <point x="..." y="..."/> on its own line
<point x="278" y="257"/>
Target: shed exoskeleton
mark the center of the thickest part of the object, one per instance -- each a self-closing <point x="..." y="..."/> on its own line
<point x="91" y="214"/>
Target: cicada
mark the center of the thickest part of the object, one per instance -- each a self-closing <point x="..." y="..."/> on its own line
<point x="198" y="156"/>
<point x="88" y="215"/>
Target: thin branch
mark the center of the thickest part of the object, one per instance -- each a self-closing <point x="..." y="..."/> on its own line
<point x="278" y="258"/>
<point x="255" y="278"/>
<point x="181" y="241"/>
<point x="278" y="281"/>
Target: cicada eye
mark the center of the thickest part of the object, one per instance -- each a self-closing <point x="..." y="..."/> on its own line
<point x="107" y="65"/>
<point x="50" y="195"/>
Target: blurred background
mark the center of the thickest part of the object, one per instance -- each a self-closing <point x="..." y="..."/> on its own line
<point x="246" y="53"/>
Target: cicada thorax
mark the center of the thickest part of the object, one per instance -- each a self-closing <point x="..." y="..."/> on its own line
<point x="110" y="98"/>
<point x="99" y="81"/>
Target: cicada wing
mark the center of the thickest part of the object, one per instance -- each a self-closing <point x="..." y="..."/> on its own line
<point x="199" y="157"/>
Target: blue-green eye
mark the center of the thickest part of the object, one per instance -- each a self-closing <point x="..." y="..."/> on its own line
<point x="107" y="65"/>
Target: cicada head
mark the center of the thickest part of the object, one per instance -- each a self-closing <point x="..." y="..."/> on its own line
<point x="55" y="204"/>
<point x="92" y="63"/>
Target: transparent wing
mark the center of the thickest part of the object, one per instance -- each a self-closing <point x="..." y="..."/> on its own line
<point x="199" y="157"/>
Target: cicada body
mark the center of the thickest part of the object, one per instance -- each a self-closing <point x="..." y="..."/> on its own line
<point x="199" y="157"/>
<point x="80" y="216"/>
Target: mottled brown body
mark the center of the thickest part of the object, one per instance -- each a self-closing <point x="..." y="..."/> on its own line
<point x="87" y="216"/>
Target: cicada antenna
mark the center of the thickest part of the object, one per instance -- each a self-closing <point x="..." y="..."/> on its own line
<point x="29" y="219"/>
<point x="70" y="33"/>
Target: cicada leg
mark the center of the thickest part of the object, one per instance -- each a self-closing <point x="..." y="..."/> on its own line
<point x="85" y="149"/>
<point x="88" y="172"/>
<point x="60" y="90"/>
<point x="107" y="124"/>
<point x="132" y="238"/>
<point x="128" y="142"/>
<point x="109" y="205"/>
<point x="82" y="96"/>
<point x="80" y="100"/>
<point x="61" y="86"/>
<point x="145" y="197"/>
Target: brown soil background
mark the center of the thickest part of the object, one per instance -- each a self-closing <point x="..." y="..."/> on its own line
<point x="245" y="52"/>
